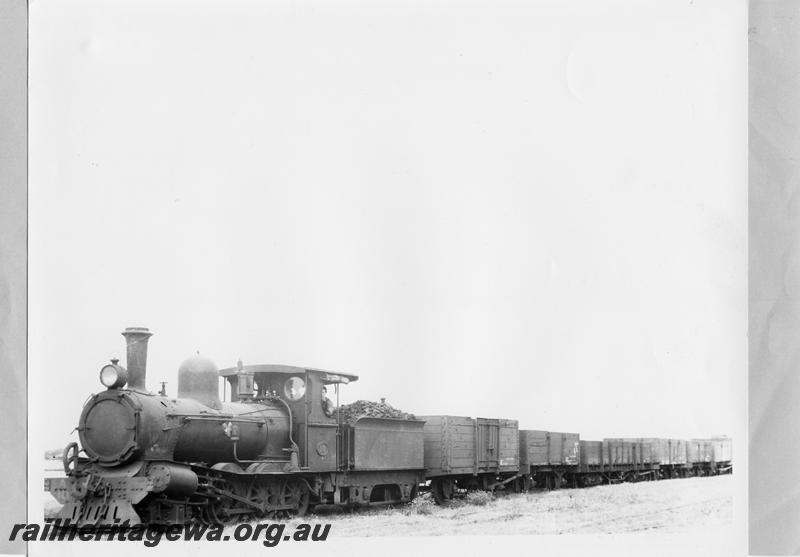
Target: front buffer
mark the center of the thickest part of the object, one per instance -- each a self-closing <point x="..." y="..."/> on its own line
<point x="92" y="496"/>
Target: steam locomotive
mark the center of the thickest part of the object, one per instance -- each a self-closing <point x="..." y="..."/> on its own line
<point x="278" y="447"/>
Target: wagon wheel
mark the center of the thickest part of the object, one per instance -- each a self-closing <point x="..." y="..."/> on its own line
<point x="297" y="495"/>
<point x="527" y="484"/>
<point x="518" y="485"/>
<point x="443" y="489"/>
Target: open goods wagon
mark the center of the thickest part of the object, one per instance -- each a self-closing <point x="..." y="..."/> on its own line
<point x="723" y="453"/>
<point x="700" y="451"/>
<point x="671" y="455"/>
<point x="546" y="456"/>
<point x="615" y="460"/>
<point x="470" y="453"/>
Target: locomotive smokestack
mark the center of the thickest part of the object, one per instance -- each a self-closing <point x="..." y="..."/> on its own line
<point x="136" y="337"/>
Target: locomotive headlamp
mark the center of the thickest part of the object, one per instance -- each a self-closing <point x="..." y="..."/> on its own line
<point x="113" y="376"/>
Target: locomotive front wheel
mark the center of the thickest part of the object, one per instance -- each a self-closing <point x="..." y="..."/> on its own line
<point x="219" y="513"/>
<point x="224" y="509"/>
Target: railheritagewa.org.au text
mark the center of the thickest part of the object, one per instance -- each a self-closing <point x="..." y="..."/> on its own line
<point x="269" y="534"/>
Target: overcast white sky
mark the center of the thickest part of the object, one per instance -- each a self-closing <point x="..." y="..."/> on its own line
<point x="524" y="210"/>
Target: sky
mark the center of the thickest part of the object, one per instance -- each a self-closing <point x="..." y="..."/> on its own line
<point x="532" y="210"/>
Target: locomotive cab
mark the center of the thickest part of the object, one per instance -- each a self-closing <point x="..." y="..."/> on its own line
<point x="312" y="397"/>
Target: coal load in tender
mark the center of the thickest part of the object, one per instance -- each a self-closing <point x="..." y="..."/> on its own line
<point x="349" y="413"/>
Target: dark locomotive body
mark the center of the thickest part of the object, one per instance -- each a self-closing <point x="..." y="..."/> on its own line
<point x="279" y="447"/>
<point x="275" y="448"/>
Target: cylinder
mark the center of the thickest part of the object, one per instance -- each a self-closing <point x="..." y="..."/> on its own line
<point x="172" y="479"/>
<point x="136" y="338"/>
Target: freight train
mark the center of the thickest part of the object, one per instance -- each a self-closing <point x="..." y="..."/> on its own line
<point x="279" y="446"/>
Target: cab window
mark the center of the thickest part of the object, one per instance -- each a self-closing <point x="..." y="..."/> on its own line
<point x="294" y="388"/>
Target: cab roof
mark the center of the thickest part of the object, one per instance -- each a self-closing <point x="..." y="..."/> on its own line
<point x="327" y="376"/>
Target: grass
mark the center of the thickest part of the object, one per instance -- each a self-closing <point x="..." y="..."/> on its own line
<point x="664" y="506"/>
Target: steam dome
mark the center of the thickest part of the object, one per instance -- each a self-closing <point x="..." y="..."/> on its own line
<point x="198" y="379"/>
